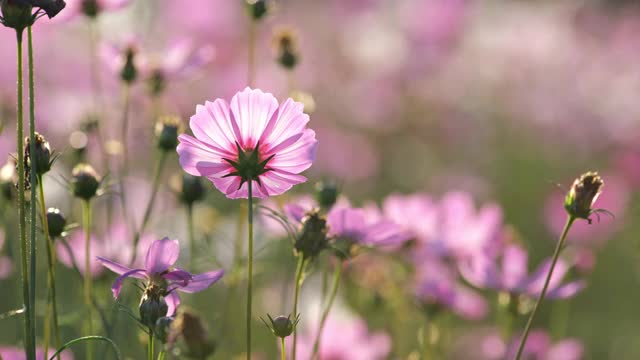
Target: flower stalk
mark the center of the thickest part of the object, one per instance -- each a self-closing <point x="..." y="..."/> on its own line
<point x="556" y="254"/>
<point x="249" y="263"/>
<point x="33" y="179"/>
<point x="325" y="314"/>
<point x="296" y="294"/>
<point x="86" y="219"/>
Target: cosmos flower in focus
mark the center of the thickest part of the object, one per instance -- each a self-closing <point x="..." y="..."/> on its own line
<point x="251" y="139"/>
<point x="510" y="274"/>
<point x="160" y="273"/>
<point x="344" y="339"/>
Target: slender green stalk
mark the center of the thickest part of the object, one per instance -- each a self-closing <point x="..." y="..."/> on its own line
<point x="22" y="219"/>
<point x="161" y="355"/>
<point x="86" y="214"/>
<point x="150" y="346"/>
<point x="192" y="240"/>
<point x="327" y="309"/>
<point x="296" y="294"/>
<point x="556" y="254"/>
<point x="89" y="339"/>
<point x="51" y="256"/>
<point x="249" y="264"/>
<point x="251" y="62"/>
<point x="33" y="179"/>
<point x="152" y="200"/>
<point x="283" y="352"/>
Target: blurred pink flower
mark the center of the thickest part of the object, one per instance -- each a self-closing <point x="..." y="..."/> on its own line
<point x="14" y="353"/>
<point x="344" y="339"/>
<point x="115" y="244"/>
<point x="511" y="274"/>
<point x="614" y="198"/>
<point x="436" y="285"/>
<point x="538" y="347"/>
<point x="253" y="137"/>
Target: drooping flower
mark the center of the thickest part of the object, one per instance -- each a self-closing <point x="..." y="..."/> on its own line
<point x="252" y="139"/>
<point x="19" y="14"/>
<point x="344" y="339"/>
<point x="509" y="274"/>
<point x="160" y="273"/>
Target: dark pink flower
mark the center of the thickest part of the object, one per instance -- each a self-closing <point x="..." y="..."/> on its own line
<point x="252" y="139"/>
<point x="159" y="270"/>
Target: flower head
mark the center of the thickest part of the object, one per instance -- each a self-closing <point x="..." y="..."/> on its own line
<point x="282" y="326"/>
<point x="162" y="278"/>
<point x="56" y="222"/>
<point x="583" y="194"/>
<point x="19" y="14"/>
<point x="253" y="139"/>
<point x="85" y="181"/>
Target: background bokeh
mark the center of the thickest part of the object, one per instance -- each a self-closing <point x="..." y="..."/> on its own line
<point x="506" y="100"/>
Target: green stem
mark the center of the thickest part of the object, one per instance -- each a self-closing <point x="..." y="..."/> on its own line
<point x="51" y="256"/>
<point x="249" y="264"/>
<point x="283" y="352"/>
<point x="556" y="254"/>
<point x="150" y="346"/>
<point x="152" y="200"/>
<point x="86" y="212"/>
<point x="33" y="179"/>
<point x="192" y="240"/>
<point x="89" y="339"/>
<point x="22" y="219"/>
<point x="161" y="355"/>
<point x="251" y="63"/>
<point x="296" y="294"/>
<point x="327" y="309"/>
<point x="126" y="100"/>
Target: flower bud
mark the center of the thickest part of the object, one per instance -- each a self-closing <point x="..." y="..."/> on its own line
<point x="282" y="326"/>
<point x="85" y="181"/>
<point x="583" y="194"/>
<point x="152" y="307"/>
<point x="156" y="82"/>
<point x="16" y="14"/>
<point x="163" y="328"/>
<point x="167" y="129"/>
<point x="190" y="189"/>
<point x="189" y="328"/>
<point x="42" y="155"/>
<point x="56" y="221"/>
<point x="312" y="238"/>
<point x="286" y="46"/>
<point x="258" y="9"/>
<point x="326" y="194"/>
<point x="90" y="8"/>
<point x="129" y="73"/>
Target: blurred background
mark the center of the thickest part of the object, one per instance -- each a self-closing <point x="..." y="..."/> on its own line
<point x="508" y="101"/>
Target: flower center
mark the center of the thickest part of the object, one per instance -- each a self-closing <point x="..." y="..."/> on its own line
<point x="248" y="165"/>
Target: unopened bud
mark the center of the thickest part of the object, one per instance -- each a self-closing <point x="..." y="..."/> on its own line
<point x="312" y="238"/>
<point x="282" y="326"/>
<point x="167" y="130"/>
<point x="326" y="194"/>
<point x="42" y="156"/>
<point x="129" y="73"/>
<point x="285" y="42"/>
<point x="56" y="222"/>
<point x="85" y="181"/>
<point x="152" y="307"/>
<point x="258" y="9"/>
<point x="583" y="194"/>
<point x="189" y="188"/>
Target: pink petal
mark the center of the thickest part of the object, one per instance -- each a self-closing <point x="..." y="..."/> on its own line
<point x="162" y="255"/>
<point x="115" y="267"/>
<point x="173" y="301"/>
<point x="212" y="124"/>
<point x="566" y="350"/>
<point x="117" y="285"/>
<point x="199" y="159"/>
<point x="202" y="281"/>
<point x="251" y="109"/>
<point x="290" y="121"/>
<point x="514" y="265"/>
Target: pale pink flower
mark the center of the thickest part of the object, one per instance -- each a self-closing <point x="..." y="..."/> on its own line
<point x="14" y="353"/>
<point x="253" y="138"/>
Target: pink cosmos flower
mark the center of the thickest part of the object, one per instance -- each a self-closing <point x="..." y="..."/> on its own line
<point x="252" y="139"/>
<point x="511" y="275"/>
<point x="436" y="284"/>
<point x="159" y="269"/>
<point x="13" y="353"/>
<point x="344" y="340"/>
<point x="538" y="347"/>
<point x="115" y="244"/>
